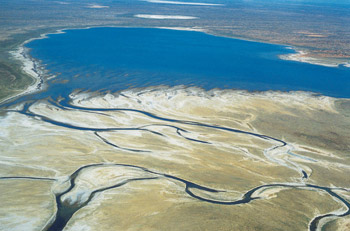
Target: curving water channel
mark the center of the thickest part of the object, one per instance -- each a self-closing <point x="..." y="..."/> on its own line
<point x="65" y="210"/>
<point x="57" y="95"/>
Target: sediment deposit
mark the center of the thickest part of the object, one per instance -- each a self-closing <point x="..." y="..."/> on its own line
<point x="176" y="158"/>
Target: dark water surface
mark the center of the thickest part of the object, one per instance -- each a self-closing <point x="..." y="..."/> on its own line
<point x="118" y="58"/>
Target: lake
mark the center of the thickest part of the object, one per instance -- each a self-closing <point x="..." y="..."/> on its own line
<point x="113" y="59"/>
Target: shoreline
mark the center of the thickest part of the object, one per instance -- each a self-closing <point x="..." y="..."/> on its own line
<point x="288" y="98"/>
<point x="31" y="67"/>
<point x="304" y="57"/>
<point x="39" y="74"/>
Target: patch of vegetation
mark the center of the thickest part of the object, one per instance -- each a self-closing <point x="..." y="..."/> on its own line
<point x="12" y="80"/>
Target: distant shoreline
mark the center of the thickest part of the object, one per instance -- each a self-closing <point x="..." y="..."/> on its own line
<point x="35" y="70"/>
<point x="303" y="56"/>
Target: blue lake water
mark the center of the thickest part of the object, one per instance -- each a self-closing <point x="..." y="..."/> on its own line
<point x="119" y="58"/>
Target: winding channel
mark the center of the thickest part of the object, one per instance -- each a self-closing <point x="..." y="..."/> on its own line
<point x="65" y="211"/>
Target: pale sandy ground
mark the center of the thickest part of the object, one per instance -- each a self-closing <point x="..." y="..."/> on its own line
<point x="25" y="204"/>
<point x="156" y="16"/>
<point x="316" y="130"/>
<point x="304" y="57"/>
<point x="97" y="6"/>
<point x="199" y="29"/>
<point x="183" y="3"/>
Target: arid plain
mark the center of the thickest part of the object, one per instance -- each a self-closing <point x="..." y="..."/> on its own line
<point x="191" y="159"/>
<point x="175" y="158"/>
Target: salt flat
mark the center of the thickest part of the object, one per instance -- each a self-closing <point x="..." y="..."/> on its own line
<point x="107" y="154"/>
<point x="156" y="16"/>
<point x="183" y="3"/>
